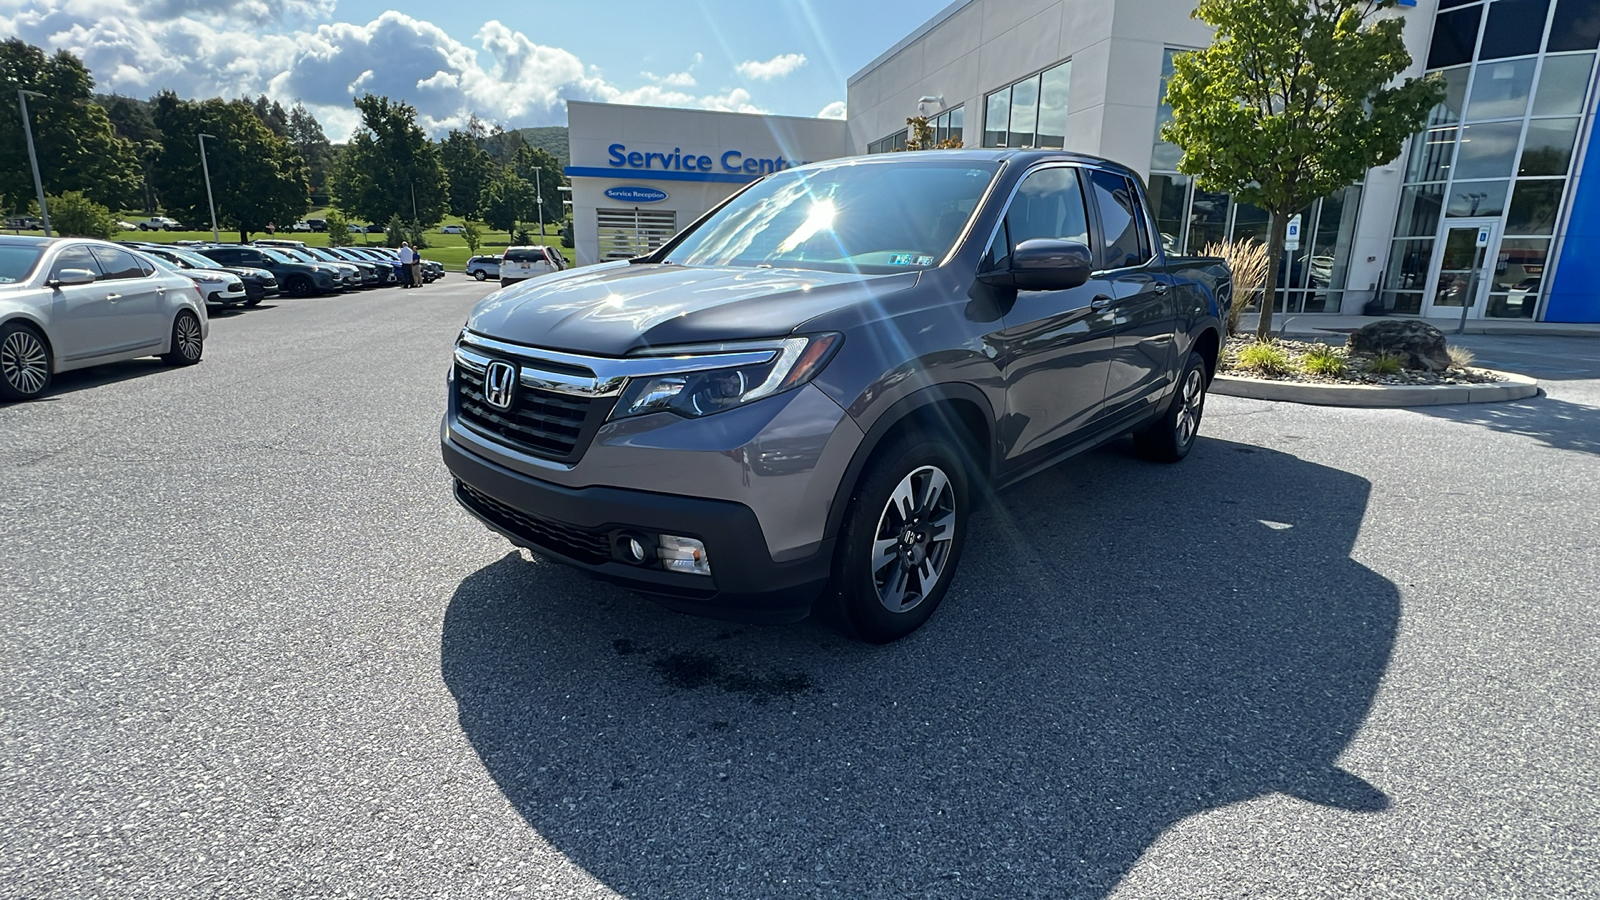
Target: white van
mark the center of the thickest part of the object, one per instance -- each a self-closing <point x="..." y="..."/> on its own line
<point x="522" y="263"/>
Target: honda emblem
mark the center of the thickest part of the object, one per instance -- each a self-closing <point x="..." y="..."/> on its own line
<point x="499" y="384"/>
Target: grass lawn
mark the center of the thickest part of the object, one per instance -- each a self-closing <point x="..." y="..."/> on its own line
<point x="447" y="249"/>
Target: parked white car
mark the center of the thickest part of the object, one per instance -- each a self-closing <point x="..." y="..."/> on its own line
<point x="68" y="303"/>
<point x="453" y="229"/>
<point x="522" y="263"/>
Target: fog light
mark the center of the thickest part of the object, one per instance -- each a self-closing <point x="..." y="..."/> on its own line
<point x="681" y="554"/>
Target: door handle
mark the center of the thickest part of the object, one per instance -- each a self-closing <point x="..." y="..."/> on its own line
<point x="1161" y="287"/>
<point x="1101" y="301"/>
<point x="113" y="297"/>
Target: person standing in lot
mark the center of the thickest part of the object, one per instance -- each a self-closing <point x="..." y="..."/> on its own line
<point x="408" y="265"/>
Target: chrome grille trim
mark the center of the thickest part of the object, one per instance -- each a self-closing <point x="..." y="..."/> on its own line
<point x="611" y="374"/>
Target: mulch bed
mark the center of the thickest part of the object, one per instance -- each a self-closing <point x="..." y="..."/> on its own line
<point x="1355" y="367"/>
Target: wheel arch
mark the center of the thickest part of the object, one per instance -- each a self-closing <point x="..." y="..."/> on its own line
<point x="1208" y="343"/>
<point x="38" y="326"/>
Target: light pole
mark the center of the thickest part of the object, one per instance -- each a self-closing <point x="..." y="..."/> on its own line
<point x="538" y="186"/>
<point x="206" y="170"/>
<point x="33" y="158"/>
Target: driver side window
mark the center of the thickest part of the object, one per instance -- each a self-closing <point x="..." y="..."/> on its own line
<point x="1049" y="204"/>
<point x="75" y="258"/>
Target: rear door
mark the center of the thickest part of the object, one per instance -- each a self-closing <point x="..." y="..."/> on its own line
<point x="1055" y="345"/>
<point x="138" y="298"/>
<point x="1145" y="310"/>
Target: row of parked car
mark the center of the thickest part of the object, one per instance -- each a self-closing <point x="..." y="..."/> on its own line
<point x="245" y="274"/>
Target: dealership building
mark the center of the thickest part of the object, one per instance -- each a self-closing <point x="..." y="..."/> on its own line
<point x="1495" y="204"/>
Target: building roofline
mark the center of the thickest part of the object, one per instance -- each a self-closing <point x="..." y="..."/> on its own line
<point x="937" y="20"/>
<point x="691" y="109"/>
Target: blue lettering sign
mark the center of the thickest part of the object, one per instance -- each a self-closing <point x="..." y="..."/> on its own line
<point x="736" y="161"/>
<point x="632" y="194"/>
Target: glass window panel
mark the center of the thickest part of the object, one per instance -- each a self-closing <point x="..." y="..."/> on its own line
<point x="1119" y="207"/>
<point x="1548" y="148"/>
<point x="1250" y="222"/>
<point x="1576" y="26"/>
<point x="1208" y="220"/>
<point x="997" y="119"/>
<point x="1449" y="110"/>
<point x="1477" y="198"/>
<point x="1408" y="265"/>
<point x="1455" y="36"/>
<point x="1165" y="156"/>
<point x="1024" y="113"/>
<point x="1169" y="194"/>
<point x="1500" y="90"/>
<point x="1431" y="153"/>
<point x="1516" y="28"/>
<point x="1419" y="210"/>
<point x="1487" y="151"/>
<point x="1534" y="206"/>
<point x="1054" y="88"/>
<point x="1518" y="278"/>
<point x="1334" y="238"/>
<point x="1563" y="85"/>
<point x="958" y="123"/>
<point x="1049" y="204"/>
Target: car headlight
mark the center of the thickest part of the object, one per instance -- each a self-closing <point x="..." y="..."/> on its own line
<point x="713" y="390"/>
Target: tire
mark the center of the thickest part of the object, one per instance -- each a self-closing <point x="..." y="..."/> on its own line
<point x="143" y="227"/>
<point x="254" y="301"/>
<point x="1171" y="437"/>
<point x="187" y="343"/>
<point x="885" y="553"/>
<point x="299" y="286"/>
<point x="479" y="275"/>
<point x="25" y="363"/>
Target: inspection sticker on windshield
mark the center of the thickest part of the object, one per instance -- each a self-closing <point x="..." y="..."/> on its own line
<point x="907" y="259"/>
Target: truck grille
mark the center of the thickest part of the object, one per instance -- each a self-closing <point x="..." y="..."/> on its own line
<point x="543" y="423"/>
<point x="585" y="546"/>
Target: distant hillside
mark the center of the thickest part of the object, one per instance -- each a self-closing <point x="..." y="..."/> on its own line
<point x="552" y="139"/>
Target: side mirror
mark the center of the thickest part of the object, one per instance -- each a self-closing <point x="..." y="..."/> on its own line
<point x="1044" y="264"/>
<point x="71" y="277"/>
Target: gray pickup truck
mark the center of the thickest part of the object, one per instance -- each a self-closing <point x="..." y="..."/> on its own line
<point x="796" y="403"/>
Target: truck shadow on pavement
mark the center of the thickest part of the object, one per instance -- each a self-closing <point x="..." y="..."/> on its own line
<point x="1127" y="645"/>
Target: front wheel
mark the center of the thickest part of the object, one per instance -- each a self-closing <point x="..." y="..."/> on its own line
<point x="1171" y="437"/>
<point x="479" y="275"/>
<point x="187" y="342"/>
<point x="24" y="363"/>
<point x="902" y="539"/>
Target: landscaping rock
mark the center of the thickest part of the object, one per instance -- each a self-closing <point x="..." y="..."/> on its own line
<point x="1417" y="344"/>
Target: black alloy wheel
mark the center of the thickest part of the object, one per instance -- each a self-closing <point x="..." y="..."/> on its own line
<point x="1171" y="437"/>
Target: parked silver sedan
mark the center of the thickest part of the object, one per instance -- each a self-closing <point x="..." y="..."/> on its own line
<point x="67" y="303"/>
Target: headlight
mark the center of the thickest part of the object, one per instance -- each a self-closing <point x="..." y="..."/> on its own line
<point x="694" y="394"/>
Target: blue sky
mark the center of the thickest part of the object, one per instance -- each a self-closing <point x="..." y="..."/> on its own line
<point x="515" y="62"/>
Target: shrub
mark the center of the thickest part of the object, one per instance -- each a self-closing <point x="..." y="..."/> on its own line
<point x="1266" y="359"/>
<point x="1460" y="357"/>
<point x="338" y="229"/>
<point x="1385" y="364"/>
<point x="74" y="215"/>
<point x="1322" y="360"/>
<point x="1247" y="261"/>
<point x="566" y="234"/>
<point x="522" y="237"/>
<point x="472" y="234"/>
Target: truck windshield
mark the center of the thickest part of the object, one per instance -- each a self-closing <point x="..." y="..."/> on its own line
<point x="869" y="217"/>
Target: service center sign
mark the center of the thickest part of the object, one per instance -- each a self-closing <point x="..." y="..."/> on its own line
<point x="732" y="161"/>
<point x="632" y="194"/>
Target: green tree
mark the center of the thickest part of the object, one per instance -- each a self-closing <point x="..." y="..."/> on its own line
<point x="74" y="215"/>
<point x="1292" y="101"/>
<point x="472" y="234"/>
<point x="469" y="169"/>
<point x="307" y="137"/>
<point x="506" y="200"/>
<point x="543" y="172"/>
<point x="338" y="229"/>
<point x="256" y="176"/>
<point x="390" y="167"/>
<point x="77" y="147"/>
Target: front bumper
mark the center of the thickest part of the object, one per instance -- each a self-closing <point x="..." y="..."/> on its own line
<point x="579" y="526"/>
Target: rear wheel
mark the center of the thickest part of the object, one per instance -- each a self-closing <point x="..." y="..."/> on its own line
<point x="902" y="539"/>
<point x="299" y="286"/>
<point x="187" y="341"/>
<point x="1170" y="438"/>
<point x="24" y="362"/>
<point x="253" y="301"/>
<point x="479" y="275"/>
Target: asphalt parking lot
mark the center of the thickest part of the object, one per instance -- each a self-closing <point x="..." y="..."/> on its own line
<point x="252" y="648"/>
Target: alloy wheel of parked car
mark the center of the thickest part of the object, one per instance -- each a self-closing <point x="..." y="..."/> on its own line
<point x="902" y="538"/>
<point x="1171" y="437"/>
<point x="299" y="286"/>
<point x="187" y="342"/>
<point x="480" y="275"/>
<point x="24" y="363"/>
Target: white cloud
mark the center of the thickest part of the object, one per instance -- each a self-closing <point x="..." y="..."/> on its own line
<point x="776" y="67"/>
<point x="291" y="51"/>
<point x="834" y="110"/>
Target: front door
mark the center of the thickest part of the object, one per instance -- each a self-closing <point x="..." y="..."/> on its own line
<point x="1461" y="272"/>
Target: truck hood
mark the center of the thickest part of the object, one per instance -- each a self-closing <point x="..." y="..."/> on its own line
<point x="611" y="310"/>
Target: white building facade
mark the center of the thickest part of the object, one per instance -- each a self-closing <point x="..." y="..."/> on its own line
<point x="641" y="174"/>
<point x="1496" y="204"/>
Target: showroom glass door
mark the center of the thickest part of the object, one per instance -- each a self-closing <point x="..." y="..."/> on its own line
<point x="1461" y="273"/>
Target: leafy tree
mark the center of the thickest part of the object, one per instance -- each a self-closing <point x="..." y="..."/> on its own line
<point x="472" y="233"/>
<point x="256" y="176"/>
<point x="1292" y="101"/>
<point x="338" y="229"/>
<point x="506" y="200"/>
<point x="469" y="168"/>
<point x="390" y="167"/>
<point x="306" y="135"/>
<point x="395" y="231"/>
<point x="543" y="172"/>
<point x="77" y="147"/>
<point x="272" y="115"/>
<point x="74" y="215"/>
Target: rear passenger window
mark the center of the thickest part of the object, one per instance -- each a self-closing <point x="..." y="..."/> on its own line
<point x="1125" y="244"/>
<point x="1048" y="204"/>
<point x="75" y="258"/>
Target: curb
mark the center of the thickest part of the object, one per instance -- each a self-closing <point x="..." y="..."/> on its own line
<point x="1515" y="387"/>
